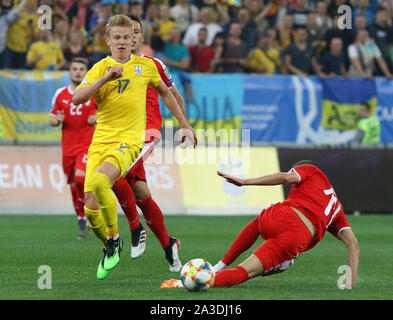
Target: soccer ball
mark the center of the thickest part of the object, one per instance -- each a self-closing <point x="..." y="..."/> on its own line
<point x="197" y="275"/>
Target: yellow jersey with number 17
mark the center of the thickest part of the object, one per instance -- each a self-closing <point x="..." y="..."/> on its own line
<point x="121" y="103"/>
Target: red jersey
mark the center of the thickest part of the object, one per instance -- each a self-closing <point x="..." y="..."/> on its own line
<point x="314" y="196"/>
<point x="153" y="114"/>
<point x="76" y="132"/>
<point x="201" y="57"/>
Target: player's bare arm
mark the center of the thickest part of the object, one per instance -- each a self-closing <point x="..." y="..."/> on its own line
<point x="56" y="120"/>
<point x="169" y="99"/>
<point x="350" y="241"/>
<point x="266" y="180"/>
<point x="179" y="100"/>
<point x="83" y="95"/>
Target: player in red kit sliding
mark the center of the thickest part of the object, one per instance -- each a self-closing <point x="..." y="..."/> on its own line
<point x="289" y="227"/>
<point x="136" y="175"/>
<point x="77" y="124"/>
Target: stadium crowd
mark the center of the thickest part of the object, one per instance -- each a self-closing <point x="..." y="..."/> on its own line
<point x="224" y="36"/>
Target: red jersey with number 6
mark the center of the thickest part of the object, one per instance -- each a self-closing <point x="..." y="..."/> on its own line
<point x="314" y="196"/>
<point x="76" y="132"/>
<point x="153" y="114"/>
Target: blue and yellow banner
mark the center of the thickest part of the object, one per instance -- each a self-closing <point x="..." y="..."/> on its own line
<point x="275" y="109"/>
<point x="25" y="103"/>
<point x="212" y="101"/>
<point x="341" y="98"/>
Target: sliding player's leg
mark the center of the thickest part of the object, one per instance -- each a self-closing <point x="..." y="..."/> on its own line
<point x="243" y="242"/>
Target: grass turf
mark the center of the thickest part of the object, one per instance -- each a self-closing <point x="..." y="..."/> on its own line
<point x="29" y="241"/>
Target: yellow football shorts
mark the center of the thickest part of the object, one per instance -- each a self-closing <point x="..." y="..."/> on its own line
<point x="121" y="155"/>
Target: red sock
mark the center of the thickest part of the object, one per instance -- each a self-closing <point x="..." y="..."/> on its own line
<point x="155" y="220"/>
<point x="78" y="202"/>
<point x="79" y="182"/>
<point x="231" y="277"/>
<point x="126" y="199"/>
<point x="243" y="241"/>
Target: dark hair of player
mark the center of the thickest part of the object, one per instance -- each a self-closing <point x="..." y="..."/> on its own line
<point x="80" y="60"/>
<point x="136" y="19"/>
<point x="304" y="162"/>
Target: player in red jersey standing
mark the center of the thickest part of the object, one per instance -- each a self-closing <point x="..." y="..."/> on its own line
<point x="289" y="227"/>
<point x="136" y="175"/>
<point x="77" y="131"/>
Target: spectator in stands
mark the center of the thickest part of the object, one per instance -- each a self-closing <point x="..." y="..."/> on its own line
<point x="60" y="34"/>
<point x="219" y="46"/>
<point x="324" y="21"/>
<point x="258" y="11"/>
<point x="234" y="57"/>
<point x="19" y="36"/>
<point x="360" y="23"/>
<point x="345" y="34"/>
<point x="98" y="22"/>
<point x="164" y="21"/>
<point x="249" y="27"/>
<point x="60" y="10"/>
<point x="264" y="58"/>
<point x="76" y="47"/>
<point x="298" y="56"/>
<point x="184" y="14"/>
<point x="368" y="128"/>
<point x="136" y="9"/>
<point x="284" y="31"/>
<point x="76" y="13"/>
<point x="276" y="13"/>
<point x="175" y="54"/>
<point x="206" y="20"/>
<point x="5" y="20"/>
<point x="332" y="63"/>
<point x="362" y="54"/>
<point x="300" y="13"/>
<point x="362" y="7"/>
<point x="382" y="34"/>
<point x="45" y="54"/>
<point x="151" y="13"/>
<point x="315" y="34"/>
<point x="272" y="32"/>
<point x="202" y="55"/>
<point x="124" y="6"/>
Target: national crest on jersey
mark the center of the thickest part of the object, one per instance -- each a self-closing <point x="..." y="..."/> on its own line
<point x="138" y="69"/>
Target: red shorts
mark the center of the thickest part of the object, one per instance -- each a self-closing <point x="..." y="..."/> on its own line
<point x="137" y="174"/>
<point x="72" y="163"/>
<point x="137" y="171"/>
<point x="286" y="236"/>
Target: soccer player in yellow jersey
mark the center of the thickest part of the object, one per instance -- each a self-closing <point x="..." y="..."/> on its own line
<point x="118" y="84"/>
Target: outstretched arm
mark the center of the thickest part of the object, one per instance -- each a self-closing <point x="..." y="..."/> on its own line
<point x="266" y="180"/>
<point x="170" y="101"/>
<point x="350" y="241"/>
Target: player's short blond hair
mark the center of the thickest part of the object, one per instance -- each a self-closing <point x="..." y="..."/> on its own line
<point x="119" y="20"/>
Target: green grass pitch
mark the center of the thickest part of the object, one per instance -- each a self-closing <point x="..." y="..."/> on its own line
<point x="28" y="242"/>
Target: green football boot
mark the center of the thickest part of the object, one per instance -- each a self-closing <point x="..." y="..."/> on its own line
<point x="113" y="250"/>
<point x="101" y="272"/>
